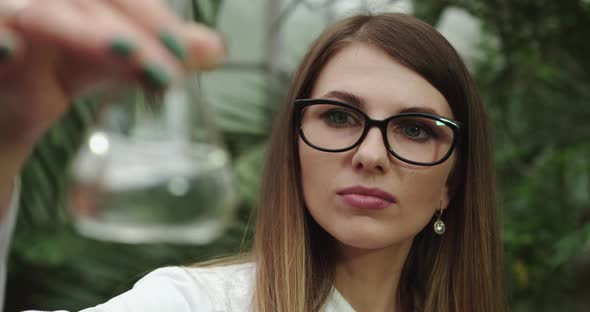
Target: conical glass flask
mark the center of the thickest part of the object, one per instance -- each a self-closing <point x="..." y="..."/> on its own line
<point x="154" y="169"/>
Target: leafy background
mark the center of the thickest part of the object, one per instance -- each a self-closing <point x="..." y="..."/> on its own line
<point x="533" y="72"/>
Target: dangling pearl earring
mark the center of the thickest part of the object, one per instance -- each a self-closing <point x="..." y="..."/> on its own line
<point x="439" y="225"/>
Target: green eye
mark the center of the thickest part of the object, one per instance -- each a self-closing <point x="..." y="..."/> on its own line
<point x="340" y="118"/>
<point x="413" y="132"/>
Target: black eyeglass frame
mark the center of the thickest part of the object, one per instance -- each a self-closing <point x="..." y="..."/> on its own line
<point x="300" y="104"/>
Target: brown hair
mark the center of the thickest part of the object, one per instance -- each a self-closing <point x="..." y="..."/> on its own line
<point x="459" y="271"/>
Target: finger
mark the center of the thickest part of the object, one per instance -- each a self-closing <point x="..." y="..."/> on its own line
<point x="196" y="45"/>
<point x="9" y="8"/>
<point x="116" y="47"/>
<point x="205" y="52"/>
<point x="117" y="26"/>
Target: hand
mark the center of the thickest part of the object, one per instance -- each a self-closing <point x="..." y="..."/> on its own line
<point x="54" y="51"/>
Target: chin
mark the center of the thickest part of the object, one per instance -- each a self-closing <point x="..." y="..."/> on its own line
<point x="365" y="240"/>
<point x="370" y="236"/>
<point x="363" y="245"/>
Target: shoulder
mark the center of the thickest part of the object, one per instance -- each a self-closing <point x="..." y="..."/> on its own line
<point x="187" y="289"/>
<point x="230" y="283"/>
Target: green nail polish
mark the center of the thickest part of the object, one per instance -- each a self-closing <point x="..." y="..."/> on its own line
<point x="156" y="76"/>
<point x="122" y="47"/>
<point x="7" y="48"/>
<point x="5" y="52"/>
<point x="170" y="42"/>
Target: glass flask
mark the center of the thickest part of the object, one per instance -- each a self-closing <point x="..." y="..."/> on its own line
<point x="154" y="169"/>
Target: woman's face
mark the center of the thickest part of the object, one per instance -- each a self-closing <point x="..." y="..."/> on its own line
<point x="385" y="88"/>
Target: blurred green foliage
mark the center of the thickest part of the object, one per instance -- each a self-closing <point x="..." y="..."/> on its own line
<point x="534" y="77"/>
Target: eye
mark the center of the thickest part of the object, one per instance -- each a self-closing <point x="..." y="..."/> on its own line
<point x="415" y="131"/>
<point x="340" y="118"/>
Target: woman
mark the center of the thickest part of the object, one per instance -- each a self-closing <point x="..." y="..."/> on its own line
<point x="378" y="191"/>
<point x="379" y="251"/>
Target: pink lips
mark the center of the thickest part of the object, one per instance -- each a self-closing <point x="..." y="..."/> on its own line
<point x="366" y="198"/>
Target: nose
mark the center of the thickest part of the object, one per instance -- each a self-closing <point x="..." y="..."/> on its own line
<point x="372" y="155"/>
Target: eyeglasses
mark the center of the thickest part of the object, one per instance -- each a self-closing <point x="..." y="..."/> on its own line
<point x="416" y="138"/>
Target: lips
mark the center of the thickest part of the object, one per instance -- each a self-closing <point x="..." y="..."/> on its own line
<point x="366" y="198"/>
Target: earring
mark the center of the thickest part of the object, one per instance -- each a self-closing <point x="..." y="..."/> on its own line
<point x="439" y="225"/>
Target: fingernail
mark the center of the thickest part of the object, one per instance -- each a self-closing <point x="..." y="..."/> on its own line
<point x="7" y="47"/>
<point x="173" y="45"/>
<point x="156" y="76"/>
<point x="122" y="47"/>
<point x="5" y="53"/>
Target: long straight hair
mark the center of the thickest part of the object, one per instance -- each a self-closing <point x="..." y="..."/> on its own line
<point x="459" y="271"/>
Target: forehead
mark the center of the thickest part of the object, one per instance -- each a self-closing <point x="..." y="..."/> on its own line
<point x="384" y="86"/>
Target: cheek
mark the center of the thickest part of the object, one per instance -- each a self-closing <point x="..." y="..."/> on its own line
<point x="319" y="174"/>
<point x="421" y="193"/>
<point x="418" y="188"/>
<point x="317" y="169"/>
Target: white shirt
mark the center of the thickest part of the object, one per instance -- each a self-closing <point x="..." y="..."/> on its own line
<point x="6" y="228"/>
<point x="212" y="289"/>
<point x="179" y="289"/>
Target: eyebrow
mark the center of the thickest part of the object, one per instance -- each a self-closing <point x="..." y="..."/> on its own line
<point x="419" y="109"/>
<point x="351" y="99"/>
<point x="346" y="97"/>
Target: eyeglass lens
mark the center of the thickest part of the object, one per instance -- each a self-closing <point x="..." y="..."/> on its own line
<point x="418" y="139"/>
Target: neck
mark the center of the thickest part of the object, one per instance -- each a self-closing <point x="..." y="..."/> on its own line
<point x="369" y="278"/>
